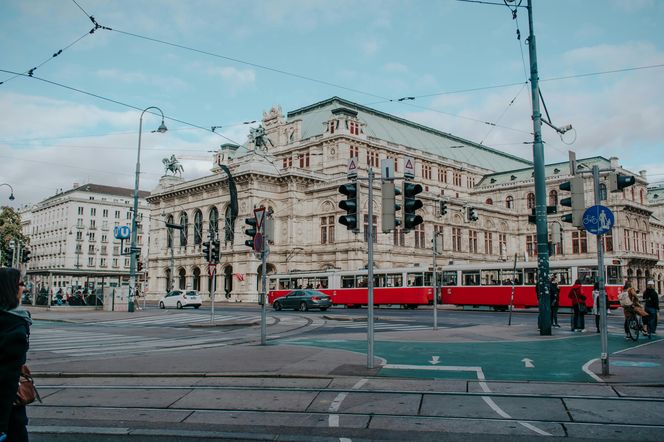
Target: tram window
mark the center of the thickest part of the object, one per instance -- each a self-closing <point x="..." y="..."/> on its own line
<point x="273" y="284"/>
<point x="347" y="282"/>
<point x="393" y="280"/>
<point x="531" y="276"/>
<point x="428" y="278"/>
<point x="362" y="281"/>
<point x="379" y="280"/>
<point x="489" y="277"/>
<point x="471" y="278"/>
<point x="415" y="279"/>
<point x="613" y="275"/>
<point x="509" y="276"/>
<point x="449" y="278"/>
<point x="562" y="275"/>
<point x="587" y="275"/>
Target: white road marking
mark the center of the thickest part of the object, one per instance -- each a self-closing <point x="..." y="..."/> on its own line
<point x="333" y="420"/>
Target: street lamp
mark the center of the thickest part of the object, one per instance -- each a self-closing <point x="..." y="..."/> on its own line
<point x="132" y="250"/>
<point x="11" y="195"/>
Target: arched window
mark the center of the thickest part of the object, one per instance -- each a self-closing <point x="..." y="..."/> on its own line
<point x="602" y="192"/>
<point x="509" y="202"/>
<point x="197" y="279"/>
<point x="182" y="279"/>
<point x="198" y="227"/>
<point x="184" y="233"/>
<point x="169" y="232"/>
<point x="489" y="201"/>
<point x="169" y="286"/>
<point x="530" y="200"/>
<point x="213" y="225"/>
<point x="553" y="198"/>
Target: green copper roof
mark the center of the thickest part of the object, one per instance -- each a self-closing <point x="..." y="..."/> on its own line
<point x="400" y="131"/>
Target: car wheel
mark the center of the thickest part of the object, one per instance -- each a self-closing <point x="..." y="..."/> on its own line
<point x="277" y="306"/>
<point x="322" y="309"/>
<point x="179" y="305"/>
<point x="161" y="305"/>
<point x="303" y="307"/>
<point x="196" y="306"/>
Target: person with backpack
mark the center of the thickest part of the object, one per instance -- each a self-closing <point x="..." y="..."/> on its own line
<point x="651" y="301"/>
<point x="578" y="307"/>
<point x="554" y="293"/>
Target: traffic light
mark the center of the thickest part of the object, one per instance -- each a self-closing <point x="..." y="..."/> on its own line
<point x="443" y="208"/>
<point x="471" y="214"/>
<point x="351" y="205"/>
<point x="576" y="201"/>
<point x="410" y="205"/>
<point x="618" y="182"/>
<point x="206" y="250"/>
<point x="250" y="231"/>
<point x="139" y="266"/>
<point x="25" y="255"/>
<point x="214" y="252"/>
<point x="389" y="220"/>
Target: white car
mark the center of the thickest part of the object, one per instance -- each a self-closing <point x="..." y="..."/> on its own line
<point x="180" y="299"/>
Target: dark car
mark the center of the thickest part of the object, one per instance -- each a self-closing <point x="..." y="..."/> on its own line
<point x="303" y="300"/>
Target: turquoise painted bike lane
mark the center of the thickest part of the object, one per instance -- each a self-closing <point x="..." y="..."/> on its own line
<point x="553" y="360"/>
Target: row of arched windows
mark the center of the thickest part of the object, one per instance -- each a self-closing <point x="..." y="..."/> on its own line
<point x="213" y="226"/>
<point x="552" y="201"/>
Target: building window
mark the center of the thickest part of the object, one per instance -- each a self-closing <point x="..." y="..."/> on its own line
<point x="579" y="242"/>
<point x="91" y="261"/>
<point x="304" y="160"/>
<point x="366" y="228"/>
<point x="102" y="262"/>
<point x="104" y="250"/>
<point x="354" y="127"/>
<point x="184" y="233"/>
<point x="332" y="126"/>
<point x="472" y="241"/>
<point x="198" y="227"/>
<point x="502" y="244"/>
<point x="115" y="262"/>
<point x="104" y="213"/>
<point x="442" y="175"/>
<point x="470" y="182"/>
<point x="641" y="195"/>
<point x="419" y="237"/>
<point x="93" y="211"/>
<point x="399" y="237"/>
<point x="553" y="198"/>
<point x="354" y="152"/>
<point x="426" y="171"/>
<point x="531" y="245"/>
<point x="169" y="232"/>
<point x="79" y="236"/>
<point x="636" y="241"/>
<point x="488" y="243"/>
<point x="93" y="224"/>
<point x="509" y="202"/>
<point x="456" y="239"/>
<point x="372" y="158"/>
<point x="80" y="210"/>
<point x="489" y="201"/>
<point x="608" y="241"/>
<point x="79" y="223"/>
<point x="117" y="214"/>
<point x="213" y="224"/>
<point x="628" y="245"/>
<point x="530" y="200"/>
<point x="327" y="230"/>
<point x="456" y="178"/>
<point x="104" y="238"/>
<point x="91" y="236"/>
<point x="644" y="242"/>
<point x="287" y="162"/>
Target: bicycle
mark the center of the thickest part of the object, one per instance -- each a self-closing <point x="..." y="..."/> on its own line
<point x="635" y="326"/>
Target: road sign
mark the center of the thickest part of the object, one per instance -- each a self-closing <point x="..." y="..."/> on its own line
<point x="598" y="220"/>
<point x="259" y="214"/>
<point x="212" y="268"/>
<point x="409" y="167"/>
<point x="351" y="172"/>
<point x="121" y="232"/>
<point x="387" y="169"/>
<point x="258" y="242"/>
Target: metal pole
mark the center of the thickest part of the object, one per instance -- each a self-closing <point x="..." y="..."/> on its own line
<point x="214" y="293"/>
<point x="172" y="281"/>
<point x="370" y="282"/>
<point x="540" y="189"/>
<point x="264" y="251"/>
<point x="604" y="333"/>
<point x="435" y="284"/>
<point x="509" y="319"/>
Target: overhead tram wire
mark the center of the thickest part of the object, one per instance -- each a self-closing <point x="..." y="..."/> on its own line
<point x="503" y="113"/>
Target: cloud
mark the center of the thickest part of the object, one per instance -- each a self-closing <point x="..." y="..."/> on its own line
<point x="234" y="77"/>
<point x="369" y="46"/>
<point x="166" y="83"/>
<point x="632" y="5"/>
<point x="395" y="67"/>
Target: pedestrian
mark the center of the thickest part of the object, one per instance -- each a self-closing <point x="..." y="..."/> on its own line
<point x="651" y="300"/>
<point x="14" y="334"/>
<point x="578" y="307"/>
<point x="554" y="293"/>
<point x="596" y="304"/>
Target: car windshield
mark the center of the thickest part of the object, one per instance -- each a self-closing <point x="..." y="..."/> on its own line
<point x="192" y="293"/>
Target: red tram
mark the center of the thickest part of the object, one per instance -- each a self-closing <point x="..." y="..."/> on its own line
<point x="486" y="284"/>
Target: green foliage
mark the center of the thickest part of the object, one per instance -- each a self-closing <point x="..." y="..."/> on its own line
<point x="10" y="229"/>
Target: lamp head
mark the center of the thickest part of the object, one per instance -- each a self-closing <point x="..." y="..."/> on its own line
<point x="11" y="197"/>
<point x="162" y="127"/>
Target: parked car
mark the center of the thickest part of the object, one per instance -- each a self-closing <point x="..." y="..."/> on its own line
<point x="180" y="299"/>
<point x="303" y="300"/>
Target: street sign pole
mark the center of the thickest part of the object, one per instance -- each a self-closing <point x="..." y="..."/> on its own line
<point x="435" y="282"/>
<point x="600" y="278"/>
<point x="263" y="295"/>
<point x="370" y="282"/>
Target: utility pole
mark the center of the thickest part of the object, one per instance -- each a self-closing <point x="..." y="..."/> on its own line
<point x="436" y="235"/>
<point x="543" y="295"/>
<point x="370" y="282"/>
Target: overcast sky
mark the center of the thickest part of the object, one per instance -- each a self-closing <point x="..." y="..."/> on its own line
<point x="246" y="56"/>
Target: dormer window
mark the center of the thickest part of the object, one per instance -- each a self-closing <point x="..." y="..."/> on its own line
<point x="353" y="128"/>
<point x="332" y="126"/>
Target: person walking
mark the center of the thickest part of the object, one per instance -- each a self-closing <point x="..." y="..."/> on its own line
<point x="578" y="307"/>
<point x="596" y="304"/>
<point x="651" y="300"/>
<point x="554" y="293"/>
<point x="14" y="334"/>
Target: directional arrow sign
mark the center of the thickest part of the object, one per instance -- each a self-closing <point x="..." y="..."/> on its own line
<point x="434" y="360"/>
<point x="528" y="362"/>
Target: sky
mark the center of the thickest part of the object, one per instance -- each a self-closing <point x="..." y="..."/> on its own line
<point x="223" y="63"/>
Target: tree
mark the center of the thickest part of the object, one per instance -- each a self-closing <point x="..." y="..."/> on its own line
<point x="10" y="229"/>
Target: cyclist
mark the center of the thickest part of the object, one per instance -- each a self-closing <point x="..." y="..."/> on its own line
<point x="631" y="306"/>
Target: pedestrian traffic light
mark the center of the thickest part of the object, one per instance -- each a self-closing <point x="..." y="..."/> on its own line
<point x="443" y="208"/>
<point x="351" y="205"/>
<point x="139" y="266"/>
<point x="389" y="219"/>
<point x="25" y="255"/>
<point x="250" y="231"/>
<point x="618" y="182"/>
<point x="215" y="251"/>
<point x="576" y="201"/>
<point x="471" y="214"/>
<point x="206" y="250"/>
<point x="410" y="205"/>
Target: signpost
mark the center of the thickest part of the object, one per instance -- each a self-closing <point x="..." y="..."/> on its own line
<point x="598" y="220"/>
<point x="212" y="270"/>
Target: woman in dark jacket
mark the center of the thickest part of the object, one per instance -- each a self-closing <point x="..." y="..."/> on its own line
<point x="578" y="307"/>
<point x="14" y="333"/>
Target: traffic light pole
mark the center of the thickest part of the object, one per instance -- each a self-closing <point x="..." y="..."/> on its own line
<point x="604" y="334"/>
<point x="263" y="294"/>
<point x="370" y="282"/>
<point x="435" y="280"/>
<point x="540" y="189"/>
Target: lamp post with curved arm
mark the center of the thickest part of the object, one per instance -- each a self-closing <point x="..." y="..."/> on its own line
<point x="11" y="195"/>
<point x="133" y="249"/>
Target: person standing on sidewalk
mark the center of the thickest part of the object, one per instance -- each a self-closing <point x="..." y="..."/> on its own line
<point x="578" y="307"/>
<point x="651" y="300"/>
<point x="596" y="310"/>
<point x="554" y="293"/>
<point x="14" y="333"/>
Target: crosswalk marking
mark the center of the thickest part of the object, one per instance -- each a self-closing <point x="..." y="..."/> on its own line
<point x="177" y="319"/>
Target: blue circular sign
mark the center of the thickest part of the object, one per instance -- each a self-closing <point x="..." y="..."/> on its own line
<point x="598" y="220"/>
<point x="121" y="232"/>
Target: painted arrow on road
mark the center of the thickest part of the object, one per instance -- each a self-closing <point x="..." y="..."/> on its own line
<point x="434" y="360"/>
<point x="528" y="362"/>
